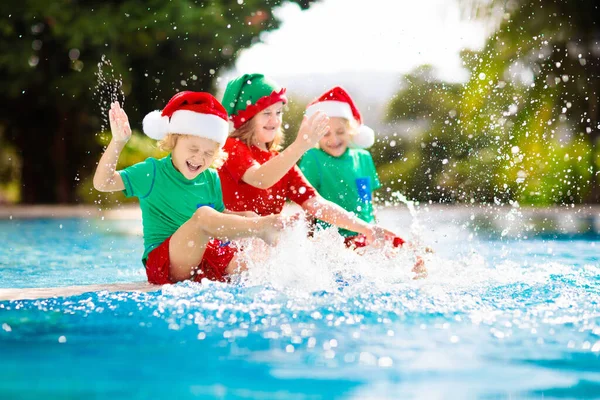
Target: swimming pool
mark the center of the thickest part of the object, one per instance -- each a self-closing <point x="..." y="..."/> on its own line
<point x="500" y="316"/>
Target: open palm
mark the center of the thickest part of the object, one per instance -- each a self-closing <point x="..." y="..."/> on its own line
<point x="119" y="123"/>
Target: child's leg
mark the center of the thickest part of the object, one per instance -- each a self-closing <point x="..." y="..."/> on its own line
<point x="255" y="251"/>
<point x="188" y="243"/>
<point x="237" y="265"/>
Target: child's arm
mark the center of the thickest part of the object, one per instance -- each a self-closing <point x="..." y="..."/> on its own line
<point x="106" y="178"/>
<point x="247" y="214"/>
<point x="328" y="211"/>
<point x="266" y="175"/>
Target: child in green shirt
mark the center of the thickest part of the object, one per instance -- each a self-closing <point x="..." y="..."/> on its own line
<point x="180" y="196"/>
<point x="343" y="174"/>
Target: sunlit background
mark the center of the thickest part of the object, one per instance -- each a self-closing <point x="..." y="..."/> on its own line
<point x="472" y="101"/>
<point x="382" y="37"/>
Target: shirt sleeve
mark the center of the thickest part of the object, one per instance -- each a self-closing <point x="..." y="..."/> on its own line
<point x="299" y="189"/>
<point x="311" y="169"/>
<point x="239" y="158"/>
<point x="219" y="206"/>
<point x="139" y="178"/>
<point x="372" y="171"/>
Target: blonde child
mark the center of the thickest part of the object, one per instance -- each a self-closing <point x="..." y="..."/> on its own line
<point x="341" y="172"/>
<point x="256" y="177"/>
<point x="180" y="196"/>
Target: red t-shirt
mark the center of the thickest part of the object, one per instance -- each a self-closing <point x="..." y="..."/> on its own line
<point x="240" y="196"/>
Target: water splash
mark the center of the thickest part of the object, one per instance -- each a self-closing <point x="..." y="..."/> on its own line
<point x="108" y="89"/>
<point x="302" y="266"/>
<point x="416" y="228"/>
<point x="316" y="310"/>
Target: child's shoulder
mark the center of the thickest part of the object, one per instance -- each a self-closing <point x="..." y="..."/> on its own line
<point x="317" y="153"/>
<point x="233" y="142"/>
<point x="211" y="175"/>
<point x="211" y="172"/>
<point x="314" y="152"/>
<point x="362" y="153"/>
<point x="149" y="162"/>
<point x="313" y="155"/>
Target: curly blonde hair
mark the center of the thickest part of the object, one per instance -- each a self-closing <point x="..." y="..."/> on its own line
<point x="245" y="134"/>
<point x="168" y="143"/>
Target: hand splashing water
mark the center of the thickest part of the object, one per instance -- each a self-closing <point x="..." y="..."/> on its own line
<point x="323" y="264"/>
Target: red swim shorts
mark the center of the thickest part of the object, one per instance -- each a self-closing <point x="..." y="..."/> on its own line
<point x="215" y="260"/>
<point x="361" y="241"/>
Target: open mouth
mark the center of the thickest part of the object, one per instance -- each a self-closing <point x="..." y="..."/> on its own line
<point x="193" y="167"/>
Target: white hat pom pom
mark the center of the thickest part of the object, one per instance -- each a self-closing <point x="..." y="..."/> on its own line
<point x="364" y="137"/>
<point x="156" y="125"/>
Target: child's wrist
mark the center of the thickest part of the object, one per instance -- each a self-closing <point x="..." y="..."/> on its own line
<point x="302" y="144"/>
<point x="121" y="142"/>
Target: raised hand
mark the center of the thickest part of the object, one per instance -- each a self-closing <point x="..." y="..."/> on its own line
<point x="119" y="123"/>
<point x="313" y="129"/>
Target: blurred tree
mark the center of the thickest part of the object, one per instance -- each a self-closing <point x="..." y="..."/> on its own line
<point x="50" y="61"/>
<point x="292" y="117"/>
<point x="548" y="52"/>
<point x="9" y="171"/>
<point x="413" y="163"/>
<point x="523" y="128"/>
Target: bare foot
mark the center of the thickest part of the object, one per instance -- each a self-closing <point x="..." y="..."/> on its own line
<point x="236" y="265"/>
<point x="420" y="269"/>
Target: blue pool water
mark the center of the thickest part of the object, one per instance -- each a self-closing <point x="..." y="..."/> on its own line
<point x="500" y="316"/>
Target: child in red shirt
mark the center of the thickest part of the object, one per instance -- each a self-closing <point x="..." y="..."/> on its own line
<point x="256" y="177"/>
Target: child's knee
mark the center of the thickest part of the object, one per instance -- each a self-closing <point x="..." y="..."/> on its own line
<point x="202" y="214"/>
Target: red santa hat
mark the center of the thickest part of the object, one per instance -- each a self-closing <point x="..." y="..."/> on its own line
<point x="337" y="102"/>
<point x="189" y="113"/>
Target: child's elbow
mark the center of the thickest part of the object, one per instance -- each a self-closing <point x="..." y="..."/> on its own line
<point x="99" y="185"/>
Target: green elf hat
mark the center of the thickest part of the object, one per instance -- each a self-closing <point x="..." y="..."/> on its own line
<point x="248" y="95"/>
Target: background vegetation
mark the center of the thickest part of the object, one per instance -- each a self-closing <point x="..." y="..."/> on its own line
<point x="524" y="128"/>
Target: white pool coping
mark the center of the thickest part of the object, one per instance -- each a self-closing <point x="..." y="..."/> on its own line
<point x="45" y="293"/>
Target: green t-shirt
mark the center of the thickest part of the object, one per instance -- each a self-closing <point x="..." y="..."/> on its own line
<point x="348" y="180"/>
<point x="167" y="198"/>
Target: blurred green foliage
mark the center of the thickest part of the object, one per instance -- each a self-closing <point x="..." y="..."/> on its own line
<point x="292" y="117"/>
<point x="63" y="61"/>
<point x="9" y="171"/>
<point x="524" y="128"/>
